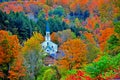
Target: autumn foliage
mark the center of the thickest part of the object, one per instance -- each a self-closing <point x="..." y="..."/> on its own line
<point x="17" y="71"/>
<point x="33" y="42"/>
<point x="87" y="33"/>
<point x="105" y="35"/>
<point x="9" y="50"/>
<point x="9" y="47"/>
<point x="75" y="54"/>
<point x="80" y="75"/>
<point x="90" y="37"/>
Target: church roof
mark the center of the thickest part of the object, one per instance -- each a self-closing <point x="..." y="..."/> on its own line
<point x="50" y="43"/>
<point x="58" y="55"/>
<point x="48" y="47"/>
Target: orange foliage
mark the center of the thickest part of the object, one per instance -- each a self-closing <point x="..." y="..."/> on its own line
<point x="17" y="70"/>
<point x="12" y="7"/>
<point x="75" y="3"/>
<point x="91" y="22"/>
<point x="73" y="6"/>
<point x="90" y="37"/>
<point x="98" y="58"/>
<point x="9" y="49"/>
<point x="42" y="1"/>
<point x="96" y="4"/>
<point x="65" y="1"/>
<point x="54" y="37"/>
<point x="1" y="74"/>
<point x="105" y="34"/>
<point x="75" y="54"/>
<point x="82" y="2"/>
<point x="55" y="1"/>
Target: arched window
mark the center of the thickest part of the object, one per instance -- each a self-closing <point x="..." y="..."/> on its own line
<point x="47" y="43"/>
<point x="52" y="46"/>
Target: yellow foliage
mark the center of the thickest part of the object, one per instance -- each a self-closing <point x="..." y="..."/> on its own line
<point x="33" y="43"/>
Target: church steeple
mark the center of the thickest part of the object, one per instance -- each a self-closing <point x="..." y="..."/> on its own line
<point x="49" y="47"/>
<point x="47" y="37"/>
<point x="47" y="27"/>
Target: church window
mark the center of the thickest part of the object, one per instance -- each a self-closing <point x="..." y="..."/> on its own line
<point x="43" y="47"/>
<point x="52" y="46"/>
<point x="47" y="43"/>
<point x="47" y="50"/>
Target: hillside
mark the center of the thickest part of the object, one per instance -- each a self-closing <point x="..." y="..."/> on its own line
<point x="86" y="32"/>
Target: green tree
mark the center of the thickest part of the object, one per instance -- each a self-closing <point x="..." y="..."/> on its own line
<point x="59" y="11"/>
<point x="41" y="22"/>
<point x="105" y="64"/>
<point x="18" y="24"/>
<point x="93" y="51"/>
<point x="114" y="41"/>
<point x="56" y="24"/>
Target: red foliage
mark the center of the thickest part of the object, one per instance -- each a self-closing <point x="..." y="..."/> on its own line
<point x="117" y="75"/>
<point x="80" y="75"/>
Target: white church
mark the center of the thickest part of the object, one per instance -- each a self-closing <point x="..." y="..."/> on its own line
<point x="49" y="47"/>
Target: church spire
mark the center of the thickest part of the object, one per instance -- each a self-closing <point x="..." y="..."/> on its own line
<point x="47" y="27"/>
<point x="47" y="37"/>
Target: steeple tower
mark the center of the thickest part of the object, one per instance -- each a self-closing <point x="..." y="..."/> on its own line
<point x="47" y="37"/>
<point x="49" y="47"/>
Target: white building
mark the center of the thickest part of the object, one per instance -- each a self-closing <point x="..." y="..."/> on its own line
<point x="48" y="45"/>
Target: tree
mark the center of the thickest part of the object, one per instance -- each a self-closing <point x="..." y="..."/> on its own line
<point x="62" y="36"/>
<point x="56" y="24"/>
<point x="41" y="22"/>
<point x="75" y="54"/>
<point x="93" y="52"/>
<point x="105" y="35"/>
<point x="80" y="75"/>
<point x="113" y="46"/>
<point x="90" y="37"/>
<point x="106" y="63"/>
<point x="107" y="10"/>
<point x="59" y="11"/>
<point x="65" y="35"/>
<point x="17" y="70"/>
<point x="33" y="55"/>
<point x="79" y="13"/>
<point x="18" y="24"/>
<point x="78" y="23"/>
<point x="49" y="2"/>
<point x="54" y="37"/>
<point x="35" y="9"/>
<point x="9" y="50"/>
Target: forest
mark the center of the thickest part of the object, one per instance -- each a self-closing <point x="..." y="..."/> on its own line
<point x="87" y="33"/>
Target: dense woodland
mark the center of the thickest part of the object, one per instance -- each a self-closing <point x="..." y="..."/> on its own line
<point x="86" y="31"/>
